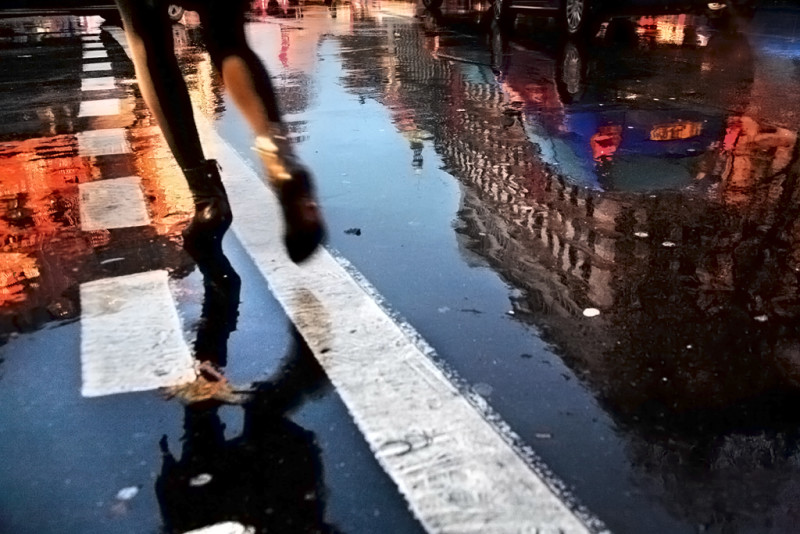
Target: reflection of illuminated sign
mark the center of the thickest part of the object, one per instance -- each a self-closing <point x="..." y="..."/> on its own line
<point x="677" y="130"/>
<point x="606" y="141"/>
<point x="677" y="30"/>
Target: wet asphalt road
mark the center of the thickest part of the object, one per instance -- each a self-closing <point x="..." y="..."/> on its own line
<point x="495" y="189"/>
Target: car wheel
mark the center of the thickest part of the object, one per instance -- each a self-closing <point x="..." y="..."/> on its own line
<point x="571" y="72"/>
<point x="573" y="15"/>
<point x="175" y="12"/>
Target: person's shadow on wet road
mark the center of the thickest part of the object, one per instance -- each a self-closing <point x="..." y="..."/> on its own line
<point x="268" y="478"/>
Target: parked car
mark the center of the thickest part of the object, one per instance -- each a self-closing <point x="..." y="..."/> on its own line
<point x="572" y="15"/>
<point x="575" y="16"/>
<point x="80" y="7"/>
<point x="600" y="113"/>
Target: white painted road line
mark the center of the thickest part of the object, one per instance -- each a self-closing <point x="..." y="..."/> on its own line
<point x="103" y="142"/>
<point x="96" y="67"/>
<point x="100" y="108"/>
<point x="95" y="54"/>
<point x="114" y="203"/>
<point x="103" y="83"/>
<point x="458" y="471"/>
<point x="131" y="336"/>
<point x="229" y="527"/>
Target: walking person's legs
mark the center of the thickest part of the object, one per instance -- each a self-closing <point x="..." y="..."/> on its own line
<point x="249" y="84"/>
<point x="149" y="33"/>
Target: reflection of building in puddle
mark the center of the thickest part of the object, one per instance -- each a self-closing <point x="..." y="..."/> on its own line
<point x="697" y="288"/>
<point x="403" y="117"/>
<point x="750" y="161"/>
<point x="669" y="29"/>
<point x="624" y="253"/>
<point x="39" y="211"/>
<point x="45" y="252"/>
<point x="682" y="281"/>
<point x="17" y="271"/>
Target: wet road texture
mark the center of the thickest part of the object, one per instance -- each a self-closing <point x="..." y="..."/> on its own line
<point x="595" y="236"/>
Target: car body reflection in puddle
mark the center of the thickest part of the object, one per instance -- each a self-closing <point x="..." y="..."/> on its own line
<point x="633" y="109"/>
<point x="648" y="189"/>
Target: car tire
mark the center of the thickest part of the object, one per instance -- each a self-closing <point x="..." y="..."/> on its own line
<point x="175" y="12"/>
<point x="571" y="72"/>
<point x="574" y="15"/>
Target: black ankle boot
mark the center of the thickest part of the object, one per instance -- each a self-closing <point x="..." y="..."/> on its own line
<point x="212" y="215"/>
<point x="291" y="180"/>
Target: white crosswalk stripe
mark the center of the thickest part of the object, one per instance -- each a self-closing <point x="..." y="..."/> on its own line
<point x="95" y="54"/>
<point x="113" y="203"/>
<point x="96" y="67"/>
<point x="100" y="108"/>
<point x="131" y="336"/>
<point x="103" y="83"/>
<point x="105" y="142"/>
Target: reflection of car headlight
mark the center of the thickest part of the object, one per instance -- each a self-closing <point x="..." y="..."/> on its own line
<point x="716" y="6"/>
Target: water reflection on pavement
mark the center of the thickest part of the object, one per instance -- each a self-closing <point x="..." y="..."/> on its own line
<point x="633" y="175"/>
<point x="270" y="476"/>
<point x="638" y="192"/>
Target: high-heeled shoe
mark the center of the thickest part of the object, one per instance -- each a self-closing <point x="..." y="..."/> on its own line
<point x="212" y="217"/>
<point x="292" y="182"/>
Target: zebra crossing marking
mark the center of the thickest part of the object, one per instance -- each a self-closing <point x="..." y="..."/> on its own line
<point x="95" y="54"/>
<point x="102" y="83"/>
<point x="96" y="67"/>
<point x="100" y="108"/>
<point x="105" y="142"/>
<point x="131" y="336"/>
<point x="112" y="203"/>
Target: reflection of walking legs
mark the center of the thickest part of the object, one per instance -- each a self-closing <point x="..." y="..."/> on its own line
<point x="221" y="286"/>
<point x="149" y="33"/>
<point x="221" y="289"/>
<point x="267" y="479"/>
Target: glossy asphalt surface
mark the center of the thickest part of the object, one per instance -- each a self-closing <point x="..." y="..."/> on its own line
<point x="491" y="190"/>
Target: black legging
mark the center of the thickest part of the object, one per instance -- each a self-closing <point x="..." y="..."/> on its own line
<point x="149" y="32"/>
<point x="224" y="37"/>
